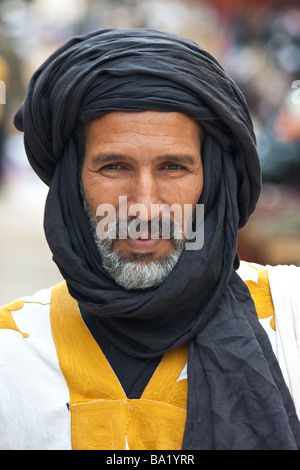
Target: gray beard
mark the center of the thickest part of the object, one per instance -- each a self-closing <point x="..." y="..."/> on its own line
<point x="139" y="272"/>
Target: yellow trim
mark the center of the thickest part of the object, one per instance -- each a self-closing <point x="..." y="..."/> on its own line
<point x="261" y="294"/>
<point x="6" y="318"/>
<point x="102" y="417"/>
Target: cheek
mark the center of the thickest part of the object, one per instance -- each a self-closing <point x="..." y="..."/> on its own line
<point x="89" y="189"/>
<point x="99" y="190"/>
<point x="93" y="190"/>
<point x="197" y="192"/>
<point x="197" y="186"/>
<point x="190" y="193"/>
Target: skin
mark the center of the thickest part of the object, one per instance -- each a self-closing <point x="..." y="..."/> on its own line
<point x="151" y="157"/>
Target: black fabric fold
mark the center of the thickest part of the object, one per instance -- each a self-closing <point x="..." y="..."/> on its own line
<point x="237" y="398"/>
<point x="134" y="373"/>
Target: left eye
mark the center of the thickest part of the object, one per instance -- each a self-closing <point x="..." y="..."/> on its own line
<point x="112" y="166"/>
<point x="173" y="166"/>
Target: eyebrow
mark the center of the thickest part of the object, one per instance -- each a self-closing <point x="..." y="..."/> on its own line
<point x="187" y="159"/>
<point x="110" y="157"/>
<point x="116" y="157"/>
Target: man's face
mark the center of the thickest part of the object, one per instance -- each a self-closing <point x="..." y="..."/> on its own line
<point x="152" y="158"/>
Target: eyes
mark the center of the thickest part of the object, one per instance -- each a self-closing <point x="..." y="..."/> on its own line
<point x="121" y="167"/>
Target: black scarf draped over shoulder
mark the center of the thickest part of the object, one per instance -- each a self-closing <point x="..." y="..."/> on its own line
<point x="237" y="398"/>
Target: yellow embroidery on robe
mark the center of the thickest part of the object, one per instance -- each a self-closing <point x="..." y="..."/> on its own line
<point x="261" y="295"/>
<point x="6" y="318"/>
<point x="102" y="417"/>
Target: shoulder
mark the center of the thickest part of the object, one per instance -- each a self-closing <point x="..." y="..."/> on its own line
<point x="27" y="316"/>
<point x="283" y="284"/>
<point x="247" y="270"/>
<point x="21" y="306"/>
<point x="250" y="271"/>
<point x="280" y="282"/>
<point x="29" y="368"/>
<point x="276" y="294"/>
<point x="257" y="279"/>
<point x="26" y="340"/>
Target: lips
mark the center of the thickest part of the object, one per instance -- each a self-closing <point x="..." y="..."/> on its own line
<point x="143" y="244"/>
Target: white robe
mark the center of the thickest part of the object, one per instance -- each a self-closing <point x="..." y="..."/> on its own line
<point x="34" y="395"/>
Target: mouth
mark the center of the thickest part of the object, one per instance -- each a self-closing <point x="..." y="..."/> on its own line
<point x="142" y="244"/>
<point x="143" y="237"/>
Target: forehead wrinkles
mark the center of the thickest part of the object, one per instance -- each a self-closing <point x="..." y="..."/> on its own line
<point x="142" y="133"/>
<point x="150" y="123"/>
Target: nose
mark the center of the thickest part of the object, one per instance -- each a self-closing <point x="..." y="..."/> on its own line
<point x="144" y="196"/>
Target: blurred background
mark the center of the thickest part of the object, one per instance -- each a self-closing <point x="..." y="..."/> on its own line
<point x="257" y="42"/>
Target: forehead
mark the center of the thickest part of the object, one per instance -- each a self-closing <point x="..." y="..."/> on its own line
<point x="121" y="125"/>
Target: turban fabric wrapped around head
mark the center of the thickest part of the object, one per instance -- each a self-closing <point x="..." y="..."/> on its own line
<point x="237" y="398"/>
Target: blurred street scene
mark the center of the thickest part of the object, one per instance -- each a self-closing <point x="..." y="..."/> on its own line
<point x="258" y="44"/>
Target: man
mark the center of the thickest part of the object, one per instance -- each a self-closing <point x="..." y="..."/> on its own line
<point x="149" y="344"/>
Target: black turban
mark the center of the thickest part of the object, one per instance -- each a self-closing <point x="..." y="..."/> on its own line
<point x="237" y="398"/>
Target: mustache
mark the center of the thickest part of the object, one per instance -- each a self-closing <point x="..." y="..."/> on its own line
<point x="134" y="227"/>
